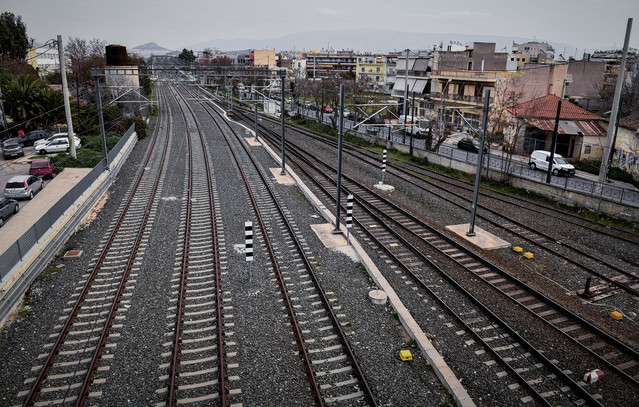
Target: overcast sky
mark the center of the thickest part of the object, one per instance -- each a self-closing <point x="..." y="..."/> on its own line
<point x="175" y="24"/>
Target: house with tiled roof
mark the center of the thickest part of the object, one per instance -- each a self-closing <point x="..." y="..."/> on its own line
<point x="580" y="135"/>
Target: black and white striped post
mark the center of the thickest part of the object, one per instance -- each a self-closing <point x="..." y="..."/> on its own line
<point x="349" y="217"/>
<point x="248" y="244"/>
<point x="383" y="166"/>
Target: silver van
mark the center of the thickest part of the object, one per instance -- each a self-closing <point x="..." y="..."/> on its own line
<point x="539" y="159"/>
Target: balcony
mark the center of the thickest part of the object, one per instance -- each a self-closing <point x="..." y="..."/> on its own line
<point x="474" y="100"/>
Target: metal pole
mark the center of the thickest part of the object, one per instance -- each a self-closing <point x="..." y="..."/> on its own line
<point x="101" y="118"/>
<point x="405" y="94"/>
<point x="255" y="98"/>
<point x="282" y="114"/>
<point x="4" y="118"/>
<point x="553" y="143"/>
<point x="414" y="121"/>
<point x="65" y="96"/>
<point x="614" y="140"/>
<point x="339" y="158"/>
<point x="480" y="158"/>
<point x="615" y="105"/>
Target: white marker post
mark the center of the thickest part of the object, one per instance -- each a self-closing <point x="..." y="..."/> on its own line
<point x="349" y="217"/>
<point x="248" y="244"/>
<point x="383" y="166"/>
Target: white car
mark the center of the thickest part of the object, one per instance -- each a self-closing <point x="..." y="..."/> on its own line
<point x="47" y="140"/>
<point x="55" y="146"/>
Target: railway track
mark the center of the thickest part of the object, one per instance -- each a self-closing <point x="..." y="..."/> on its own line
<point x="333" y="372"/>
<point x="89" y="328"/>
<point x="606" y="350"/>
<point x="196" y="363"/>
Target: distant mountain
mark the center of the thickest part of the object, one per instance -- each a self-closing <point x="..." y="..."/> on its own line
<point x="150" y="48"/>
<point x="369" y="40"/>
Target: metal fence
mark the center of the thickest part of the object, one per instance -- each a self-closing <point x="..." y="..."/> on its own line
<point x="625" y="196"/>
<point x="32" y="236"/>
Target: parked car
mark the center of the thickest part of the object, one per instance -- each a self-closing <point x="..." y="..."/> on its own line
<point x="11" y="148"/>
<point x="56" y="136"/>
<point x="539" y="159"/>
<point x="23" y="186"/>
<point x="470" y="144"/>
<point x="31" y="137"/>
<point x="42" y="167"/>
<point x="54" y="146"/>
<point x="7" y="208"/>
<point x="327" y="109"/>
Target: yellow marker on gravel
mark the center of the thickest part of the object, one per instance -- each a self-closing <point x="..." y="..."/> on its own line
<point x="405" y="355"/>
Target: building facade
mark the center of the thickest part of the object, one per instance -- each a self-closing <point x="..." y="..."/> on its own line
<point x="324" y="64"/>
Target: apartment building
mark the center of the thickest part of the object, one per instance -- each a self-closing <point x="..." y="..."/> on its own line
<point x="372" y="67"/>
<point x="323" y="64"/>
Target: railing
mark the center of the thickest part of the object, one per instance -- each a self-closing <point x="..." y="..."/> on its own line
<point x="14" y="253"/>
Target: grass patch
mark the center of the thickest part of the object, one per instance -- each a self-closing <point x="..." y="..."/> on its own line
<point x="48" y="273"/>
<point x="25" y="308"/>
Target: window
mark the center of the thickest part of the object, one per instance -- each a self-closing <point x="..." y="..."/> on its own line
<point x="378" y="70"/>
<point x="363" y="69"/>
<point x="470" y="65"/>
<point x="587" y="150"/>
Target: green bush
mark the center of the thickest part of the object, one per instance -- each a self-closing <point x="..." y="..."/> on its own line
<point x="615" y="173"/>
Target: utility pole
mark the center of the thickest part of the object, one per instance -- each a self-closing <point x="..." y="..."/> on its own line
<point x="282" y="73"/>
<point x="553" y="143"/>
<point x="405" y="94"/>
<point x="603" y="170"/>
<point x="338" y="194"/>
<point x="65" y="95"/>
<point x="4" y="118"/>
<point x="480" y="160"/>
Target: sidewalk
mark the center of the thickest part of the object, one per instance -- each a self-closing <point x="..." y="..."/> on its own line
<point x="47" y="197"/>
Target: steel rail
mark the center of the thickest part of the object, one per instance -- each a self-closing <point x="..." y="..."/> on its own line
<point x="472" y="298"/>
<point x="220" y="327"/>
<point x="289" y="306"/>
<point x="30" y="399"/>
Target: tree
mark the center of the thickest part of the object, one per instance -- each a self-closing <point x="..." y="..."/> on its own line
<point x="21" y="95"/>
<point x="82" y="56"/>
<point x="187" y="55"/>
<point x="14" y="43"/>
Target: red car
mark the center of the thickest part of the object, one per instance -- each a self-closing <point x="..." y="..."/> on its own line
<point x="327" y="109"/>
<point x="42" y="167"/>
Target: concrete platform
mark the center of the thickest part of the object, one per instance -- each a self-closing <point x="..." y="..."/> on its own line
<point x="251" y="142"/>
<point x="324" y="232"/>
<point x="482" y="239"/>
<point x="282" y="179"/>
<point x="337" y="241"/>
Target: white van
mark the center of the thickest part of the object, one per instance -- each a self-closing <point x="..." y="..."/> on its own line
<point x="539" y="160"/>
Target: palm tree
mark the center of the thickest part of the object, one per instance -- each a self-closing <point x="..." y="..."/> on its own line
<point x="22" y="98"/>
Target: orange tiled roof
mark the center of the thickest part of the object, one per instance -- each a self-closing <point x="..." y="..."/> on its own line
<point x="546" y="108"/>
